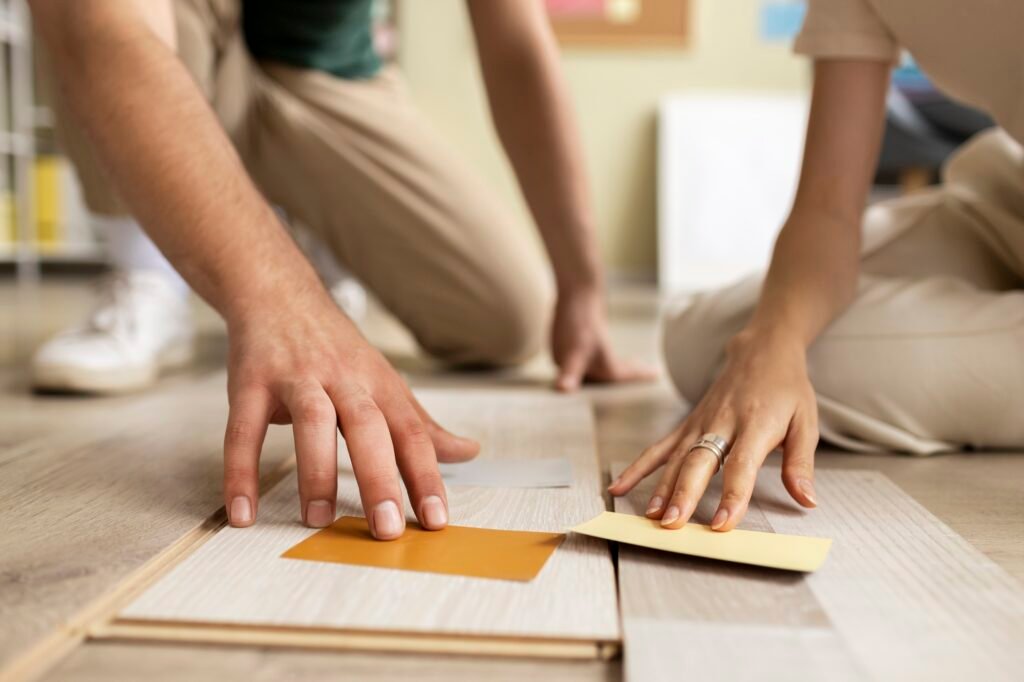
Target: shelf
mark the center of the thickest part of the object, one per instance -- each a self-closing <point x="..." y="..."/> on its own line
<point x="66" y="255"/>
<point x="16" y="144"/>
<point x="11" y="31"/>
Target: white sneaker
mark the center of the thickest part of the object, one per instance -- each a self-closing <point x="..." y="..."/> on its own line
<point x="141" y="326"/>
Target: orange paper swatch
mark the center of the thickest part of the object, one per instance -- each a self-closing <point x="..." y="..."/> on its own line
<point x="456" y="550"/>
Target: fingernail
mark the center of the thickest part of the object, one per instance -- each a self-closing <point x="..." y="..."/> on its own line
<point x="721" y="516"/>
<point x="387" y="524"/>
<point x="671" y="516"/>
<point x="615" y="483"/>
<point x="318" y="514"/>
<point x="686" y="511"/>
<point x="655" y="504"/>
<point x="240" y="512"/>
<point x="807" y="488"/>
<point x="433" y="513"/>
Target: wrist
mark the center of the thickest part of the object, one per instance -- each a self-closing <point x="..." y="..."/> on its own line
<point x="759" y="339"/>
<point x="275" y="302"/>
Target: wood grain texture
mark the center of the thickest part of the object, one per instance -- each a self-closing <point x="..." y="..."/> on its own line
<point x="901" y="596"/>
<point x="90" y="490"/>
<point x="976" y="494"/>
<point x="238" y="577"/>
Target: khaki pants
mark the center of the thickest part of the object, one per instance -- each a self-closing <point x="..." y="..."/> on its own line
<point x="930" y="357"/>
<point x="356" y="163"/>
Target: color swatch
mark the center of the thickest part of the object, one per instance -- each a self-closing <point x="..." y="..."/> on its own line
<point x="773" y="550"/>
<point x="456" y="550"/>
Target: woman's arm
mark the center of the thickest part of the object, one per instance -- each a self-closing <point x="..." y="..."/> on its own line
<point x="534" y="119"/>
<point x="763" y="398"/>
<point x="813" y="274"/>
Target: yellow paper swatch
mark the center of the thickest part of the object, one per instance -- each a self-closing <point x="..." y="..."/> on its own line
<point x="774" y="550"/>
<point x="456" y="550"/>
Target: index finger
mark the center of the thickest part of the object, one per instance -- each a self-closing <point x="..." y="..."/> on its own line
<point x="243" y="440"/>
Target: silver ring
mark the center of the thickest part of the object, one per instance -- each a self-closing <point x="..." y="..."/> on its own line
<point x="714" y="444"/>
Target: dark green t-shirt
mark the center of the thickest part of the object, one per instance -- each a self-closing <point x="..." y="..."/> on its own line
<point x="335" y="36"/>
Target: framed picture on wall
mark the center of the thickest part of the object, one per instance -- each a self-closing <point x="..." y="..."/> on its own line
<point x="621" y="23"/>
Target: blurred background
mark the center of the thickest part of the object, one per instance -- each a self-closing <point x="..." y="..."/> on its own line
<point x="691" y="112"/>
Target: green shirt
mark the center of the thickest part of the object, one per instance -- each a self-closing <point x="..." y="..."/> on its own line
<point x="335" y="36"/>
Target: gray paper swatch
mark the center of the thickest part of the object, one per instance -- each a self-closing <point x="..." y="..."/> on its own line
<point x="555" y="472"/>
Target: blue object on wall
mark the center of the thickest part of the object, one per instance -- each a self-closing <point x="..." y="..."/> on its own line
<point x="780" y="20"/>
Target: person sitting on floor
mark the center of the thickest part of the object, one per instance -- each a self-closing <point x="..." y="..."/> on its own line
<point x="896" y="329"/>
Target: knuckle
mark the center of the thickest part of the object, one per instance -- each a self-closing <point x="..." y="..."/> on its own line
<point x="376" y="480"/>
<point x="362" y="412"/>
<point x="239" y="474"/>
<point x="414" y="433"/>
<point x="240" y="434"/>
<point x="734" y="496"/>
<point x="318" y="478"/>
<point x="312" y="409"/>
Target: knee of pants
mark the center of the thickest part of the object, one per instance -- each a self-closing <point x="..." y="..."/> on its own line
<point x="689" y="363"/>
<point x="507" y="327"/>
<point x="696" y="328"/>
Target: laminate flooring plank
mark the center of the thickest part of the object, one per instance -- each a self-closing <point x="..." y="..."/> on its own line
<point x="910" y="597"/>
<point x="100" y="661"/>
<point x="92" y="497"/>
<point x="238" y="576"/>
<point x="901" y="596"/>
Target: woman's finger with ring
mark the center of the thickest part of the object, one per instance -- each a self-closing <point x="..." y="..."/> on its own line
<point x="696" y="472"/>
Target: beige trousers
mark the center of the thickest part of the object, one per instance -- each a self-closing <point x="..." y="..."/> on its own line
<point x="355" y="162"/>
<point x="930" y="357"/>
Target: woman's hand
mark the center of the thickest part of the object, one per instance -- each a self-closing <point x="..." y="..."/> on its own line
<point x="762" y="399"/>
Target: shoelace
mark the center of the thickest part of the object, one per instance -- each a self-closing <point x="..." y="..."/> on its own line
<point x="115" y="312"/>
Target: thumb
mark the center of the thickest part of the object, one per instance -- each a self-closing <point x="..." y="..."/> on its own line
<point x="447" y="446"/>
<point x="570" y="373"/>
<point x="452" y="448"/>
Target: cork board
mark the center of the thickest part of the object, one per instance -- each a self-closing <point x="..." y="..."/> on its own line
<point x="621" y="23"/>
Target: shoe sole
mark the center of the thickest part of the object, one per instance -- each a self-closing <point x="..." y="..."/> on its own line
<point x="71" y="379"/>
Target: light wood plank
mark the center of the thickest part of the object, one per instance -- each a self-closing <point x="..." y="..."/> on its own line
<point x="901" y="596"/>
<point x="90" y="498"/>
<point x="238" y="577"/>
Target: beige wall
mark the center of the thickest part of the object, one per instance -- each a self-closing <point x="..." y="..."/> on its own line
<point x="616" y="93"/>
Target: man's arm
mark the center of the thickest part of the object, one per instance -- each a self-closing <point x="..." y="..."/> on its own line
<point x="534" y="120"/>
<point x="293" y="355"/>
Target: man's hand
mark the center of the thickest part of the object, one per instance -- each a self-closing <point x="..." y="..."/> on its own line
<point x="310" y="367"/>
<point x="580" y="345"/>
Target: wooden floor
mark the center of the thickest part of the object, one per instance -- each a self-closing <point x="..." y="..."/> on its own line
<point x="92" y="489"/>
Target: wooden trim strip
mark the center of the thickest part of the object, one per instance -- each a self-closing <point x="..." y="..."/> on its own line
<point x="353" y="640"/>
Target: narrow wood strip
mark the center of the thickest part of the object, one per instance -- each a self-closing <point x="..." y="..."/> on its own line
<point x="353" y="640"/>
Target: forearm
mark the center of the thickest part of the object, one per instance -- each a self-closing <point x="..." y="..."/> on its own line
<point x="537" y="128"/>
<point x="815" y="265"/>
<point x="169" y="158"/>
<point x="811" y="280"/>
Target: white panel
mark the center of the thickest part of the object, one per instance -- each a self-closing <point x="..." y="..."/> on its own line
<point x="728" y="167"/>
